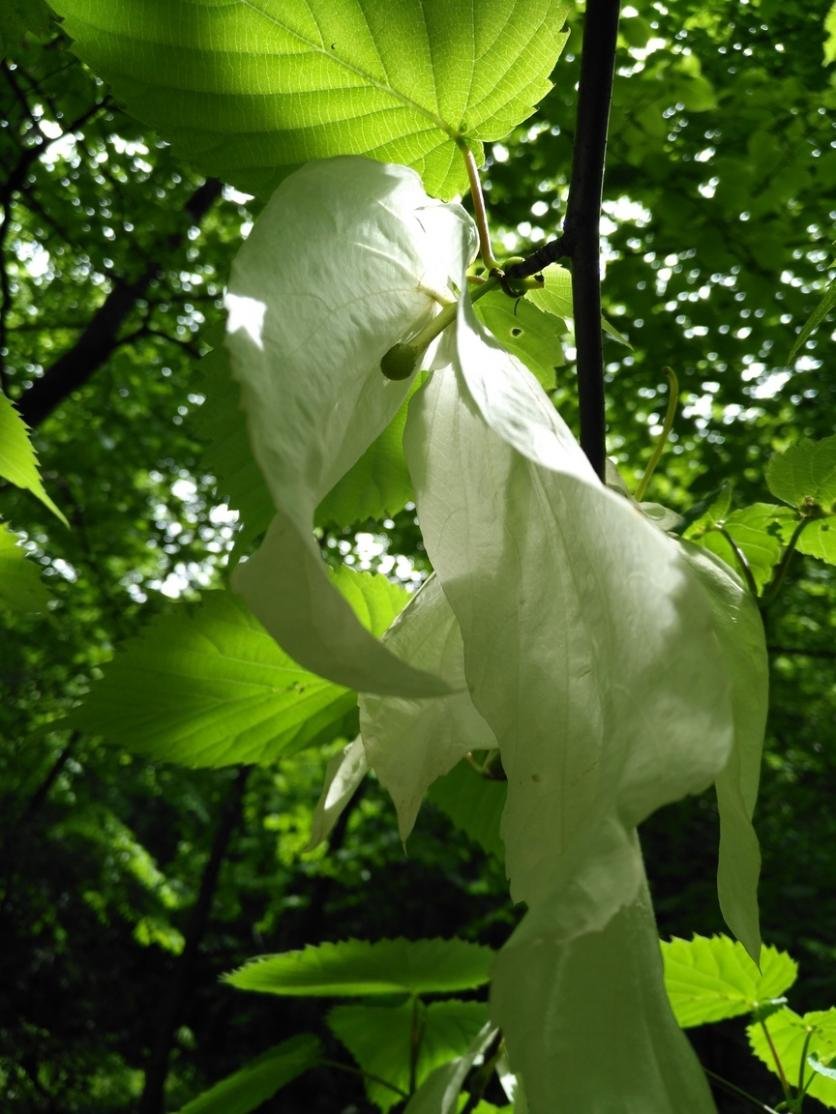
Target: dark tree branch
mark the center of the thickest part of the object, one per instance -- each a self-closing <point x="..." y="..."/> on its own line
<point x="151" y="1101"/>
<point x="580" y="242"/>
<point x="101" y="336"/>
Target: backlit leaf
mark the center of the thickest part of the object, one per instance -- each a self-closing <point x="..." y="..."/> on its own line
<point x="205" y="685"/>
<point x="793" y="1036"/>
<point x="250" y="88"/>
<point x="352" y="968"/>
<point x="711" y="978"/>
<point x="381" y="1040"/>
<point x="806" y="471"/>
<point x="18" y="462"/>
<point x="343" y="774"/>
<point x="440" y="1091"/>
<point x="247" y="1089"/>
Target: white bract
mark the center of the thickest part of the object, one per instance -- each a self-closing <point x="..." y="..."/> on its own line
<point x="590" y="650"/>
<point x="346" y="260"/>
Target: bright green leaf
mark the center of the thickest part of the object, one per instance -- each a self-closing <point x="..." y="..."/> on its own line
<point x="555" y="297"/>
<point x="757" y="532"/>
<point x="21" y="587"/>
<point x="741" y="650"/>
<point x="253" y="1085"/>
<point x="411" y="742"/>
<point x="711" y="978"/>
<point x="380" y="1038"/>
<point x="205" y="685"/>
<point x="18" y="462"/>
<point x="251" y="88"/>
<point x="359" y="967"/>
<point x="313" y="308"/>
<point x="531" y="335"/>
<point x="790" y="1033"/>
<point x="818" y="539"/>
<point x="806" y="471"/>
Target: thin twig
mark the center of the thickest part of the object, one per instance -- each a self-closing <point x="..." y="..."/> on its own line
<point x="662" y="439"/>
<point x="733" y="1089"/>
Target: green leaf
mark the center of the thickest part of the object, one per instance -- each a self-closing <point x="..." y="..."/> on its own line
<point x="555" y="297"/>
<point x="758" y="532"/>
<point x="806" y="472"/>
<point x="18" y="462"/>
<point x="411" y="742"/>
<point x="829" y="300"/>
<point x="205" y="685"/>
<point x="710" y="978"/>
<point x="741" y="650"/>
<point x="380" y="1038"/>
<point x="440" y="1091"/>
<point x="18" y="17"/>
<point x="531" y="335"/>
<point x="313" y="309"/>
<point x="253" y="1085"/>
<point x="21" y="587"/>
<point x="343" y="775"/>
<point x="251" y="88"/>
<point x="473" y="803"/>
<point x="818" y="539"/>
<point x="790" y="1033"/>
<point x="360" y="967"/>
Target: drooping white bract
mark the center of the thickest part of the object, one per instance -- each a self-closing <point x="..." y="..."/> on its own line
<point x="342" y="264"/>
<point x="409" y="741"/>
<point x="343" y="775"/>
<point x="589" y="649"/>
<point x="740" y="634"/>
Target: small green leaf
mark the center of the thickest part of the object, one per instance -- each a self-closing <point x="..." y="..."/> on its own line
<point x="21" y="587"/>
<point x="473" y="803"/>
<point x="251" y="1086"/>
<point x="758" y="531"/>
<point x="818" y="539"/>
<point x="358" y="967"/>
<point x="790" y="1034"/>
<point x="710" y="978"/>
<point x="381" y="1040"/>
<point x="531" y="335"/>
<point x="827" y="1067"/>
<point x="250" y="88"/>
<point x="806" y="472"/>
<point x="555" y="297"/>
<point x="205" y="685"/>
<point x="18" y="462"/>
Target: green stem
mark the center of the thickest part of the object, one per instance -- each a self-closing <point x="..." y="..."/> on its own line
<point x="479" y="211"/>
<point x="740" y="557"/>
<point x="777" y="581"/>
<point x="735" y="1090"/>
<point x="779" y="1067"/>
<point x="805" y="1048"/>
<point x="662" y="439"/>
<point x="350" y="1070"/>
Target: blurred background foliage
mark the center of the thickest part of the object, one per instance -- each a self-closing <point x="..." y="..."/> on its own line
<point x="128" y="886"/>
